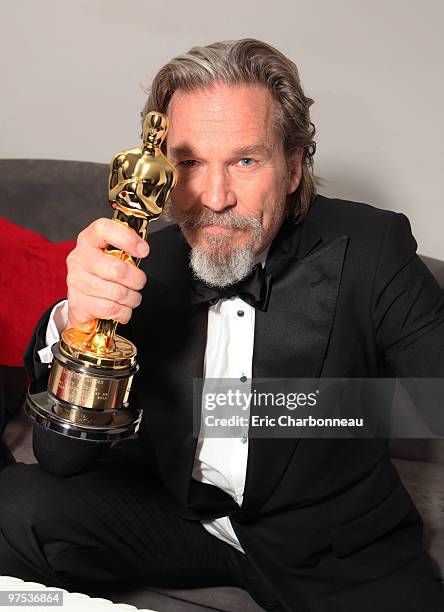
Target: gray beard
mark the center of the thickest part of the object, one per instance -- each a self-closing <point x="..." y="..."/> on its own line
<point x="221" y="270"/>
<point x="221" y="267"/>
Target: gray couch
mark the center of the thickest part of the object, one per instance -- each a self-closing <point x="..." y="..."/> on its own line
<point x="58" y="199"/>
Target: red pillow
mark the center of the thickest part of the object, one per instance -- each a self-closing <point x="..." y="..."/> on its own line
<point x="32" y="277"/>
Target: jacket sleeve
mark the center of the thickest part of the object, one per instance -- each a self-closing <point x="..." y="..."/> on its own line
<point x="408" y="316"/>
<point x="35" y="369"/>
<point x="57" y="454"/>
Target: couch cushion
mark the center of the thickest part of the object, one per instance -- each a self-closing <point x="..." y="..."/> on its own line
<point x="18" y="437"/>
<point x="436" y="267"/>
<point x="418" y="449"/>
<point x="227" y="599"/>
<point x="32" y="277"/>
<point x="55" y="198"/>
<point x="425" y="483"/>
<point x="12" y="391"/>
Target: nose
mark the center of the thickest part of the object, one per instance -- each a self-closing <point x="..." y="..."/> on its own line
<point x="217" y="193"/>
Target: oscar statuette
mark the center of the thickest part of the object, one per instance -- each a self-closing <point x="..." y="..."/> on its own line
<point x="91" y="373"/>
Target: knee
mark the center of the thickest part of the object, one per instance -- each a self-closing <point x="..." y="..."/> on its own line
<point x="12" y="484"/>
<point x="15" y="515"/>
<point x="25" y="523"/>
<point x="29" y="510"/>
<point x="62" y="456"/>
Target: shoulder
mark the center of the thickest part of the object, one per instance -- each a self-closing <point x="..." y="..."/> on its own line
<point x="367" y="226"/>
<point x="335" y="212"/>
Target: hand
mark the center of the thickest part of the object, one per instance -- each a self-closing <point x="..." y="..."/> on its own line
<point x="101" y="286"/>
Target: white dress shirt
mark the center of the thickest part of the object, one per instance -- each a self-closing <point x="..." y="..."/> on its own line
<point x="229" y="354"/>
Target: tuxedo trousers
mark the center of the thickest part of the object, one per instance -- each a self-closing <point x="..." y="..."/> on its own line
<point x="113" y="523"/>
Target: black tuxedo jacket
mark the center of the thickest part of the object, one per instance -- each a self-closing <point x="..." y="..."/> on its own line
<point x="349" y="298"/>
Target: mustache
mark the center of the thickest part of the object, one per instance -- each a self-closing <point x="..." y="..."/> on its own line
<point x="226" y="219"/>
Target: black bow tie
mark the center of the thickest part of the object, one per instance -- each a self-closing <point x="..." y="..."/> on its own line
<point x="255" y="290"/>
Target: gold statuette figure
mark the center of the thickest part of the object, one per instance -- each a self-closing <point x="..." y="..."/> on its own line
<point x="91" y="373"/>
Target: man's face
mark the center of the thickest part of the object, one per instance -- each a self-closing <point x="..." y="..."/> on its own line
<point x="233" y="178"/>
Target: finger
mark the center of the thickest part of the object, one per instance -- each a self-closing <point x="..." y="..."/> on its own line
<point x="93" y="286"/>
<point x="107" y="267"/>
<point x="82" y="316"/>
<point x="104" y="232"/>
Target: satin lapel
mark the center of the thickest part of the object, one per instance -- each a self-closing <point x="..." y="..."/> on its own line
<point x="176" y="360"/>
<point x="185" y="364"/>
<point x="291" y="340"/>
<point x="171" y="341"/>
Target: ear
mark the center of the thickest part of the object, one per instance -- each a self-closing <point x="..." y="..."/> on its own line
<point x="294" y="170"/>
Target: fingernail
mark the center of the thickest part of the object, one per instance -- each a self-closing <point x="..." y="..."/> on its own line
<point x="142" y="249"/>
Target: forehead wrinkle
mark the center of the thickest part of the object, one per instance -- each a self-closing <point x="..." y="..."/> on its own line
<point x="234" y="125"/>
<point x="238" y="138"/>
<point x="186" y="150"/>
<point x="213" y="108"/>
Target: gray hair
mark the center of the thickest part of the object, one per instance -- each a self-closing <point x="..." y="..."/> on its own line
<point x="249" y="61"/>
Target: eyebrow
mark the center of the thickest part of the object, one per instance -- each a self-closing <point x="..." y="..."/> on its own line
<point x="181" y="151"/>
<point x="187" y="151"/>
<point x="258" y="149"/>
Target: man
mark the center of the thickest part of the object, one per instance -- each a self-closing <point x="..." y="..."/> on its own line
<point x="338" y="291"/>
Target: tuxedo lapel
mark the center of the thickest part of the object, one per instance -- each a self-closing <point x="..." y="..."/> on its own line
<point x="201" y="499"/>
<point x="172" y="344"/>
<point x="175" y="444"/>
<point x="291" y="338"/>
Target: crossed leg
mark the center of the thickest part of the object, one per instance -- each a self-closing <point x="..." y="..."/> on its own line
<point x="112" y="523"/>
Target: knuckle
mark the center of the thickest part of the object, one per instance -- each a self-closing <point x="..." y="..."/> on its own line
<point x="114" y="267"/>
<point x="70" y="281"/>
<point x="75" y="284"/>
<point x="72" y="260"/>
<point x="119" y="292"/>
<point x="81" y="238"/>
<point x="132" y="242"/>
<point x="75" y="280"/>
<point x="86" y="232"/>
<point x="99" y="226"/>
<point x="111" y="310"/>
<point x="96" y="232"/>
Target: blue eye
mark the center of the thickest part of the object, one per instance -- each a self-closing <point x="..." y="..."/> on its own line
<point x="247" y="162"/>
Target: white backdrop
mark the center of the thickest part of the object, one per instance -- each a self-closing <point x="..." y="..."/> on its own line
<point x="73" y="74"/>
